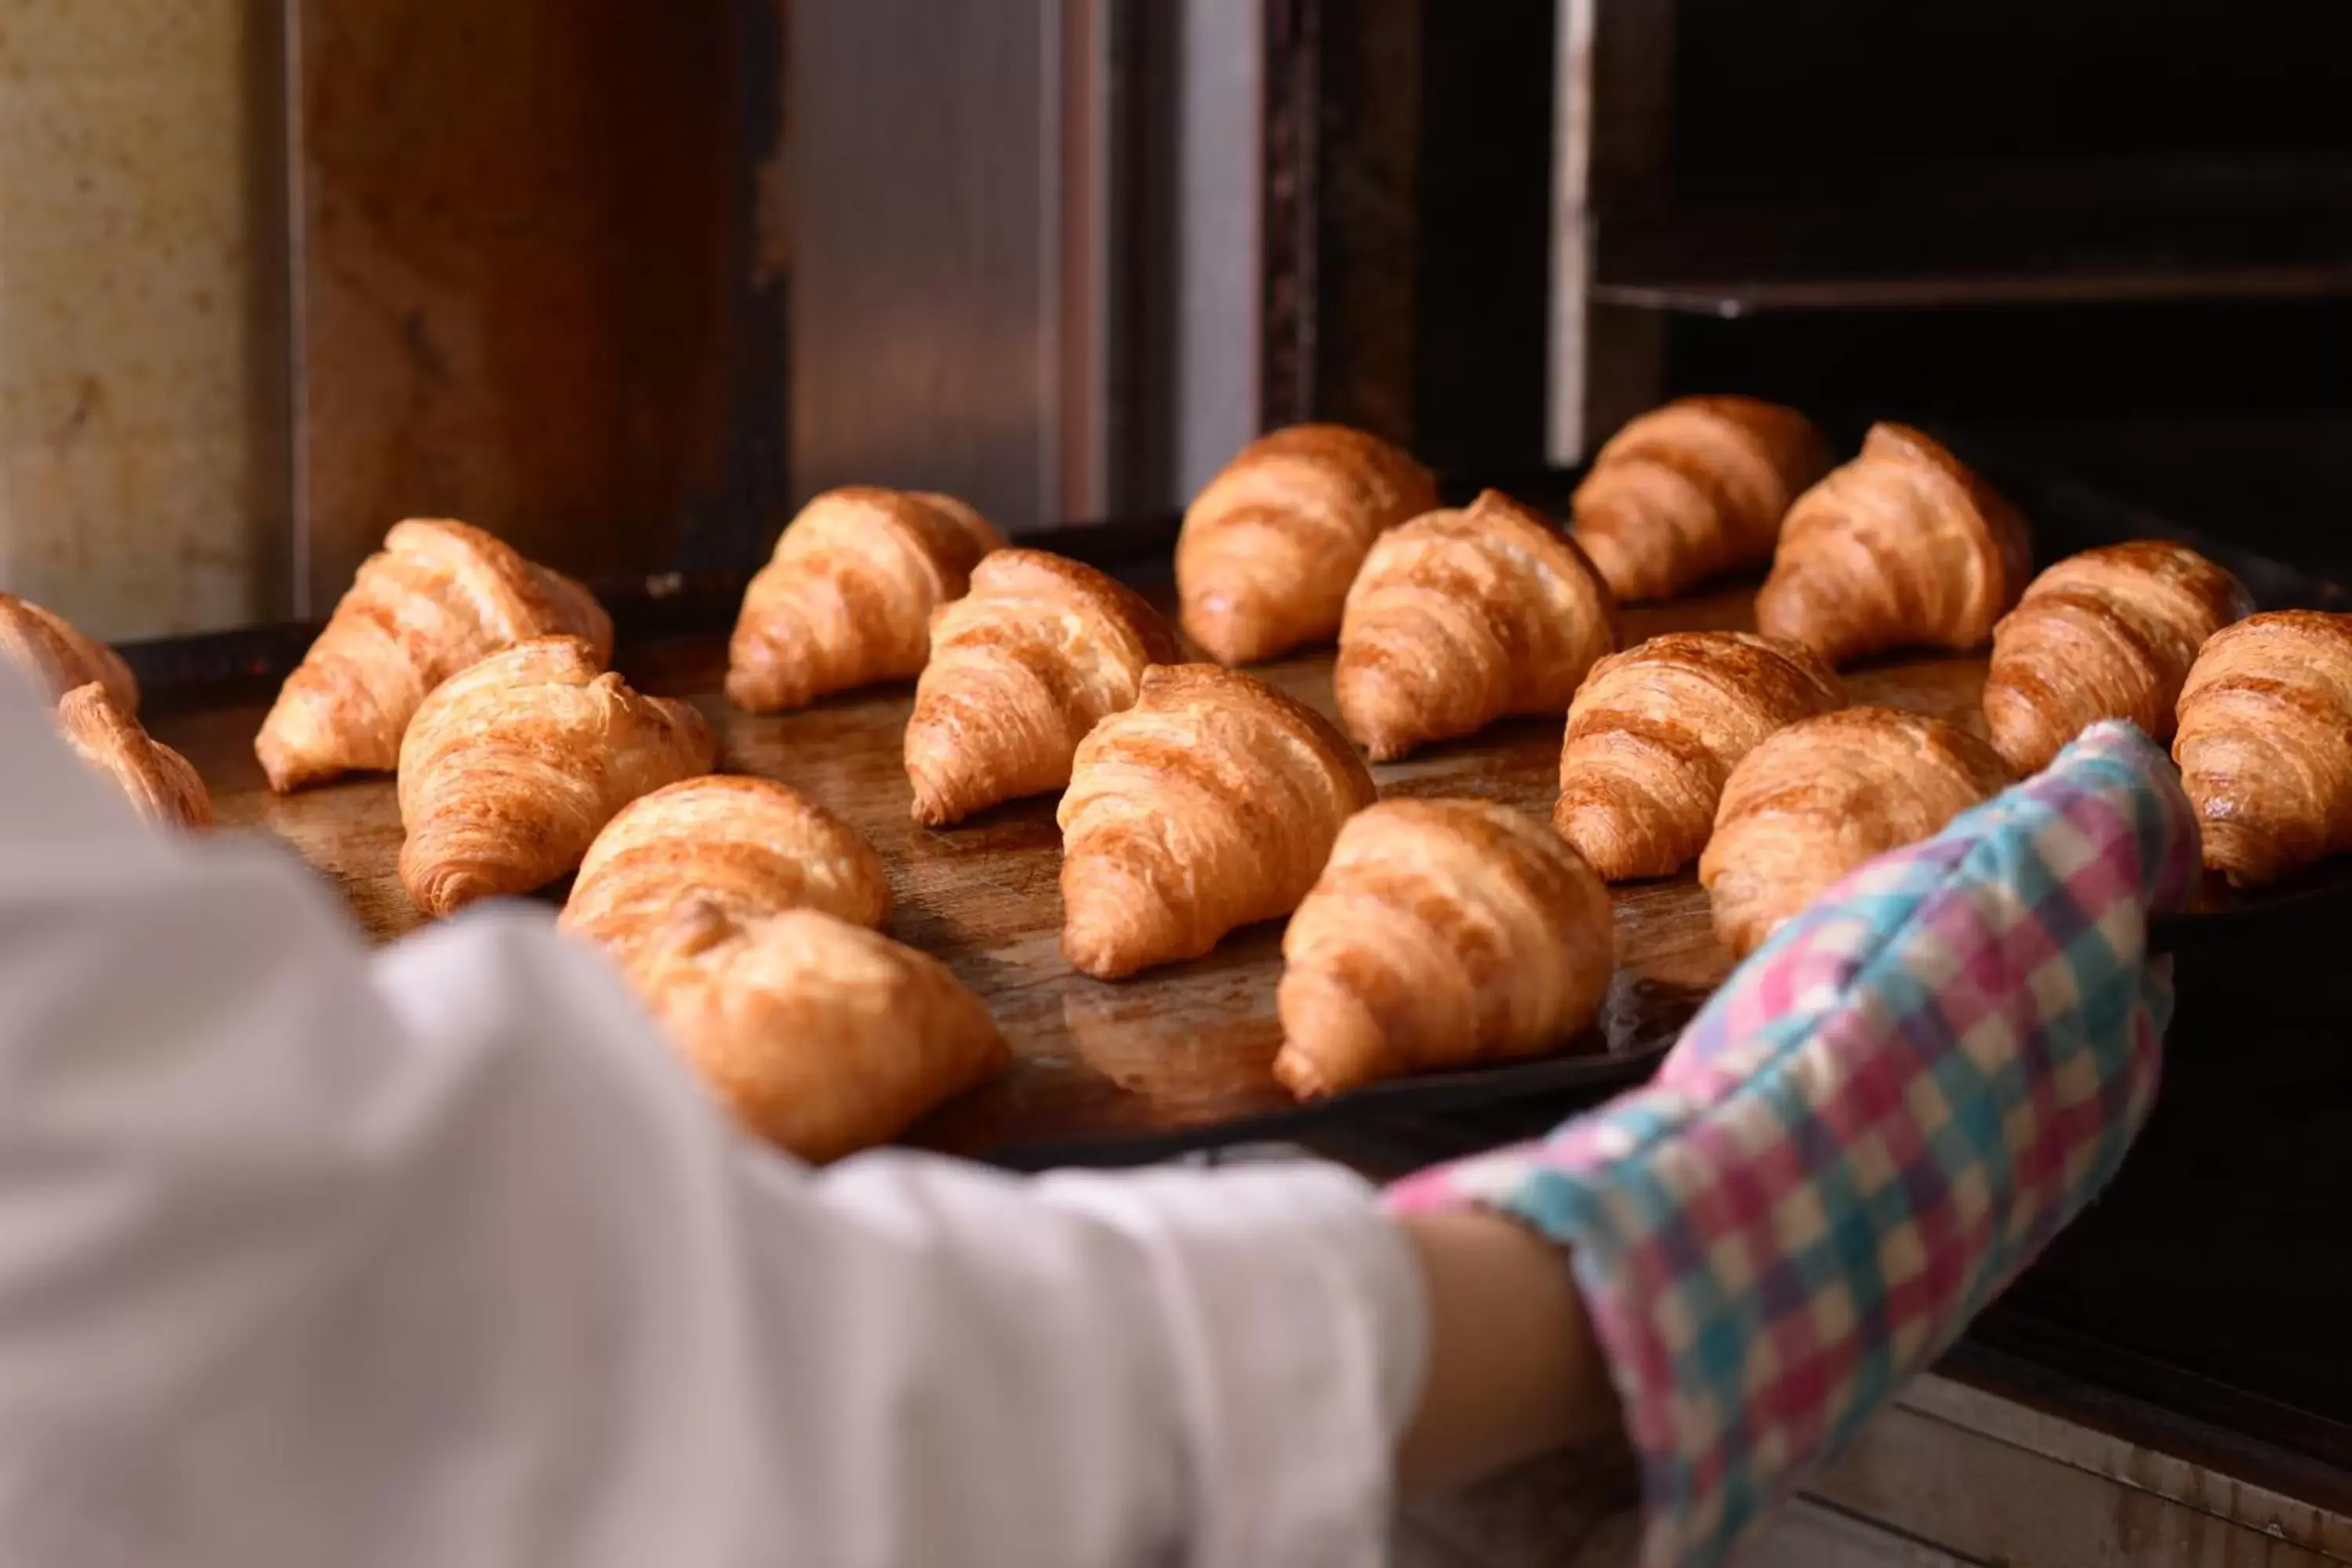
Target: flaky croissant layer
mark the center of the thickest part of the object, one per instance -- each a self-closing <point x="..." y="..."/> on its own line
<point x="2108" y="634"/>
<point x="1441" y="933"/>
<point x="512" y="767"/>
<point x="1034" y="656"/>
<point x="1461" y="617"/>
<point x="1210" y="805"/>
<point x="1657" y="731"/>
<point x="2265" y="744"/>
<point x="819" y="1035"/>
<point x="161" y="785"/>
<point x="58" y="657"/>
<point x="848" y="598"/>
<point x="1268" y="550"/>
<point x="1816" y="800"/>
<point x="438" y="598"/>
<point x="748" y="846"/>
<point x="1905" y="546"/>
<point x="1692" y="490"/>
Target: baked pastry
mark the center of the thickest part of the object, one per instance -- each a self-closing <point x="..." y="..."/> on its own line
<point x="2265" y="744"/>
<point x="2108" y="634"/>
<point x="821" y="1036"/>
<point x="56" y="656"/>
<point x="1902" y="547"/>
<point x="1655" y="732"/>
<point x="846" y="600"/>
<point x="1211" y="804"/>
<point x="513" y="766"/>
<point x="161" y="785"/>
<point x="1268" y="549"/>
<point x="1441" y="933"/>
<point x="1817" y="799"/>
<point x="438" y="597"/>
<point x="1021" y="666"/>
<point x="1692" y="490"/>
<point x="749" y="847"/>
<point x="1460" y="617"/>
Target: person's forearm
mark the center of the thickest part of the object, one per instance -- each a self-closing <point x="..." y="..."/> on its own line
<point x="1514" y="1370"/>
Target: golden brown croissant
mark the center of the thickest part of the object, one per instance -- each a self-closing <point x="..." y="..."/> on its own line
<point x="1694" y="489"/>
<point x="2108" y="634"/>
<point x="161" y="785"/>
<point x="513" y="766"/>
<point x="1268" y="549"/>
<point x="2265" y="744"/>
<point x="749" y="846"/>
<point x="1823" y="796"/>
<point x="1902" y="546"/>
<point x="1657" y="731"/>
<point x="848" y="598"/>
<point x="57" y="657"/>
<point x="821" y="1036"/>
<point x="1460" y="617"/>
<point x="439" y="597"/>
<point x="1208" y="805"/>
<point x="1021" y="666"/>
<point x="1441" y="933"/>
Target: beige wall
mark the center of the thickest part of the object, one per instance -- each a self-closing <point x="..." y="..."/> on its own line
<point x="143" y="448"/>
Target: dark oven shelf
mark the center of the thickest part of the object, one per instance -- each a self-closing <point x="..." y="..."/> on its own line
<point x="1993" y="236"/>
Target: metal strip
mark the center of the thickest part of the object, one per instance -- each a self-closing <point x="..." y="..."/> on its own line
<point x="305" y="601"/>
<point x="1079" y="301"/>
<point x="1572" y="254"/>
<point x="1219" y="240"/>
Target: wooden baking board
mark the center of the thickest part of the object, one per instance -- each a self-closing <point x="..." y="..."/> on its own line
<point x="1175" y="1052"/>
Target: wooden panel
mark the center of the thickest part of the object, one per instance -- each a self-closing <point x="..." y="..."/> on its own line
<point x="1989" y="1500"/>
<point x="1806" y="1534"/>
<point x="530" y="279"/>
<point x="1178" y="1046"/>
<point x="1613" y="112"/>
<point x="143" y="345"/>
<point x="2246" y="1486"/>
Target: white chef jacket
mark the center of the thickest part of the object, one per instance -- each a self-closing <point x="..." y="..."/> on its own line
<point x="435" y="1256"/>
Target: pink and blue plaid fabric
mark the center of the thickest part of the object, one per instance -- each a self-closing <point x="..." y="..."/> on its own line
<point x="1887" y="1111"/>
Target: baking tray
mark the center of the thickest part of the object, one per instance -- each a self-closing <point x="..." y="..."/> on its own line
<point x="1174" y="1060"/>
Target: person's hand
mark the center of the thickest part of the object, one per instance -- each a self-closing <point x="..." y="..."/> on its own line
<point x="1884" y="1114"/>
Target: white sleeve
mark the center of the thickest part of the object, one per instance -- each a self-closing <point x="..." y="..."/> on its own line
<point x="309" y="1255"/>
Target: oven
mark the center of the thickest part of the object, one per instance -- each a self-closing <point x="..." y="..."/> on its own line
<point x="2110" y="243"/>
<point x="630" y="282"/>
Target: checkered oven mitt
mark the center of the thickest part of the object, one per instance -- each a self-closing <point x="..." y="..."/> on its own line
<point x="1884" y="1114"/>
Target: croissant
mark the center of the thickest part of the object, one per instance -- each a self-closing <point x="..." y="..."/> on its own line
<point x="1461" y="617"/>
<point x="747" y="845"/>
<point x="1692" y="490"/>
<point x="1817" y="799"/>
<point x="2265" y="744"/>
<point x="512" y="767"/>
<point x="1656" y="730"/>
<point x="57" y="657"/>
<point x="1211" y="804"/>
<point x="2108" y="634"/>
<point x="848" y="598"/>
<point x="1021" y="666"/>
<point x="1268" y="550"/>
<point x="1441" y="933"/>
<point x="819" y="1035"/>
<point x="161" y="785"/>
<point x="439" y="597"/>
<point x="1902" y="546"/>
